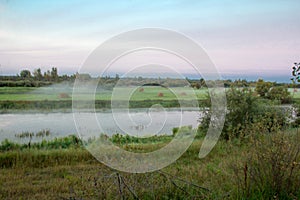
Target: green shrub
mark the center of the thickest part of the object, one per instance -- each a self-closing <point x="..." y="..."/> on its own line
<point x="246" y="110"/>
<point x="7" y="145"/>
<point x="175" y="130"/>
<point x="280" y="93"/>
<point x="262" y="88"/>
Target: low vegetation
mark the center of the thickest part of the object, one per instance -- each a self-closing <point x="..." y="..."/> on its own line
<point x="265" y="166"/>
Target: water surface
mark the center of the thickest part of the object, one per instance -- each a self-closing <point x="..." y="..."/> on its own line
<point x="138" y="122"/>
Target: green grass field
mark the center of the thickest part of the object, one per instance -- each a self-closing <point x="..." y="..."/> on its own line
<point x="149" y="93"/>
<point x="56" y="94"/>
<point x="59" y="98"/>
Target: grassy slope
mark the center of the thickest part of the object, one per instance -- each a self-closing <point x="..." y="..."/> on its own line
<point x="72" y="173"/>
<point x="75" y="174"/>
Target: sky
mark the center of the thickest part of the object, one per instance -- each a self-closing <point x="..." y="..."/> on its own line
<point x="244" y="39"/>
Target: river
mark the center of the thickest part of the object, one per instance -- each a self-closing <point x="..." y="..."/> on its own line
<point x="138" y="122"/>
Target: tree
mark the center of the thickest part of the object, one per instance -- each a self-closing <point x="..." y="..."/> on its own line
<point x="241" y="83"/>
<point x="245" y="111"/>
<point x="279" y="93"/>
<point x="241" y="105"/>
<point x="47" y="75"/>
<point x="196" y="85"/>
<point x="38" y="74"/>
<point x="25" y="74"/>
<point x="117" y="77"/>
<point x="227" y="83"/>
<point x="54" y="74"/>
<point x="202" y="83"/>
<point x="296" y="73"/>
<point x="262" y="87"/>
<point x="295" y="80"/>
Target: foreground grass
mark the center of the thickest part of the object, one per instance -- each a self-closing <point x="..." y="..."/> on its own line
<point x="73" y="173"/>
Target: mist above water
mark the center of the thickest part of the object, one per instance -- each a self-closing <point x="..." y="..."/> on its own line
<point x="62" y="124"/>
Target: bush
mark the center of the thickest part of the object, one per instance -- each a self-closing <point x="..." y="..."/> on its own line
<point x="7" y="145"/>
<point x="175" y="130"/>
<point x="262" y="87"/>
<point x="280" y="93"/>
<point x="244" y="111"/>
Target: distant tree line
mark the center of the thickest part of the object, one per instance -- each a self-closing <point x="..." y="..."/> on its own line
<point x="240" y="83"/>
<point x="37" y="78"/>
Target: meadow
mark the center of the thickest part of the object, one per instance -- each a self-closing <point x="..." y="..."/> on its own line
<point x="228" y="172"/>
<point x="16" y="99"/>
<point x="58" y="93"/>
<point x="59" y="98"/>
<point x="65" y="93"/>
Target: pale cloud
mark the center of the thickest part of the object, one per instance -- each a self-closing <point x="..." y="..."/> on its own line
<point x="31" y="50"/>
<point x="12" y="42"/>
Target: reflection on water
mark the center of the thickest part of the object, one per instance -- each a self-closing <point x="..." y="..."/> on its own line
<point x="138" y="123"/>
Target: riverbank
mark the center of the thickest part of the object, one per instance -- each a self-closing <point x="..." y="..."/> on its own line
<point x="46" y="106"/>
<point x="34" y="110"/>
